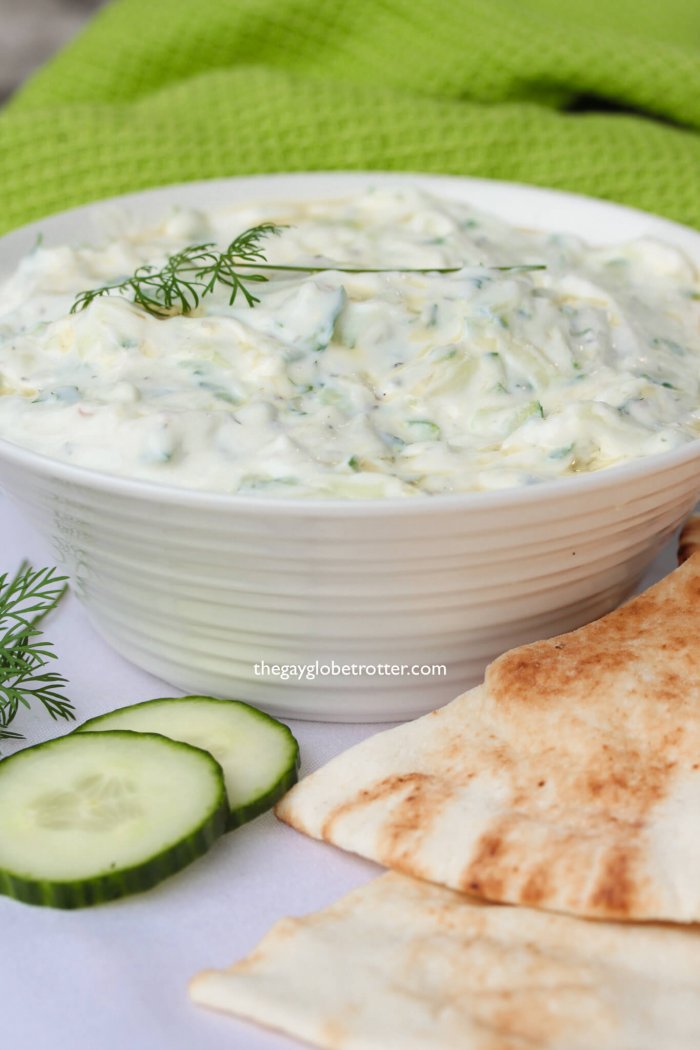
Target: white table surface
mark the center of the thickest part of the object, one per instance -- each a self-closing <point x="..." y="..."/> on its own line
<point x="115" y="977"/>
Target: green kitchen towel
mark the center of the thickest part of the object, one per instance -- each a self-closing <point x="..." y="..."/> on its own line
<point x="596" y="96"/>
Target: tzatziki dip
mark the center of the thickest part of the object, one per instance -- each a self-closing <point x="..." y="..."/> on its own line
<point x="538" y="357"/>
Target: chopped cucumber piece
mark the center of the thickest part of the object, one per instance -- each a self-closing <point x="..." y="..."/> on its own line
<point x="258" y="754"/>
<point x="85" y="819"/>
<point x="424" y="430"/>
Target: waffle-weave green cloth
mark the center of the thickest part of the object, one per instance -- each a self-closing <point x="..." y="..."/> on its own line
<point x="596" y="96"/>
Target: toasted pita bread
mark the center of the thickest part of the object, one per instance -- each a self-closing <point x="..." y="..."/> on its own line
<point x="403" y="965"/>
<point x="569" y="781"/>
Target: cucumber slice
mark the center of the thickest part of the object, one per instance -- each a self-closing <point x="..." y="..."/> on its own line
<point x="258" y="754"/>
<point x="87" y="818"/>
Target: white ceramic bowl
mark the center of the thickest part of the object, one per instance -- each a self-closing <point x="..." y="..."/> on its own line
<point x="200" y="588"/>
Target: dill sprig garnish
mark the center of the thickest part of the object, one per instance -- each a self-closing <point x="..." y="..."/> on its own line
<point x="25" y="600"/>
<point x="187" y="276"/>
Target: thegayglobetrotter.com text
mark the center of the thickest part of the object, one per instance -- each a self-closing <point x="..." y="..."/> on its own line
<point x="307" y="672"/>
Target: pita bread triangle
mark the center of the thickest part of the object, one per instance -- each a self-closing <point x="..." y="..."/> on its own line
<point x="405" y="965"/>
<point x="569" y="781"/>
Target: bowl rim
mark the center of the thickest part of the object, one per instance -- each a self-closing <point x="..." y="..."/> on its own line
<point x="560" y="489"/>
<point x="309" y="179"/>
<point x="513" y="496"/>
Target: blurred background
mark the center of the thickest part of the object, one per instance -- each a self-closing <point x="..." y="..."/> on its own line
<point x="30" y="32"/>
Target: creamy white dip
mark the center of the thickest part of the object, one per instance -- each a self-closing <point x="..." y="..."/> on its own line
<point x="358" y="385"/>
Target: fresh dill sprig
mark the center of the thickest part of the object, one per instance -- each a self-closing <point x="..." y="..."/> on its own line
<point x="188" y="275"/>
<point x="25" y="599"/>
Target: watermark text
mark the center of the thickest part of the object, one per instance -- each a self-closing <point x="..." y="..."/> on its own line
<point x="333" y="669"/>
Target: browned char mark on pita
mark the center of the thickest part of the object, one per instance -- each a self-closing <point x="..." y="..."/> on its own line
<point x="607" y="882"/>
<point x="417" y="800"/>
<point x="491" y="866"/>
<point x="616" y="889"/>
